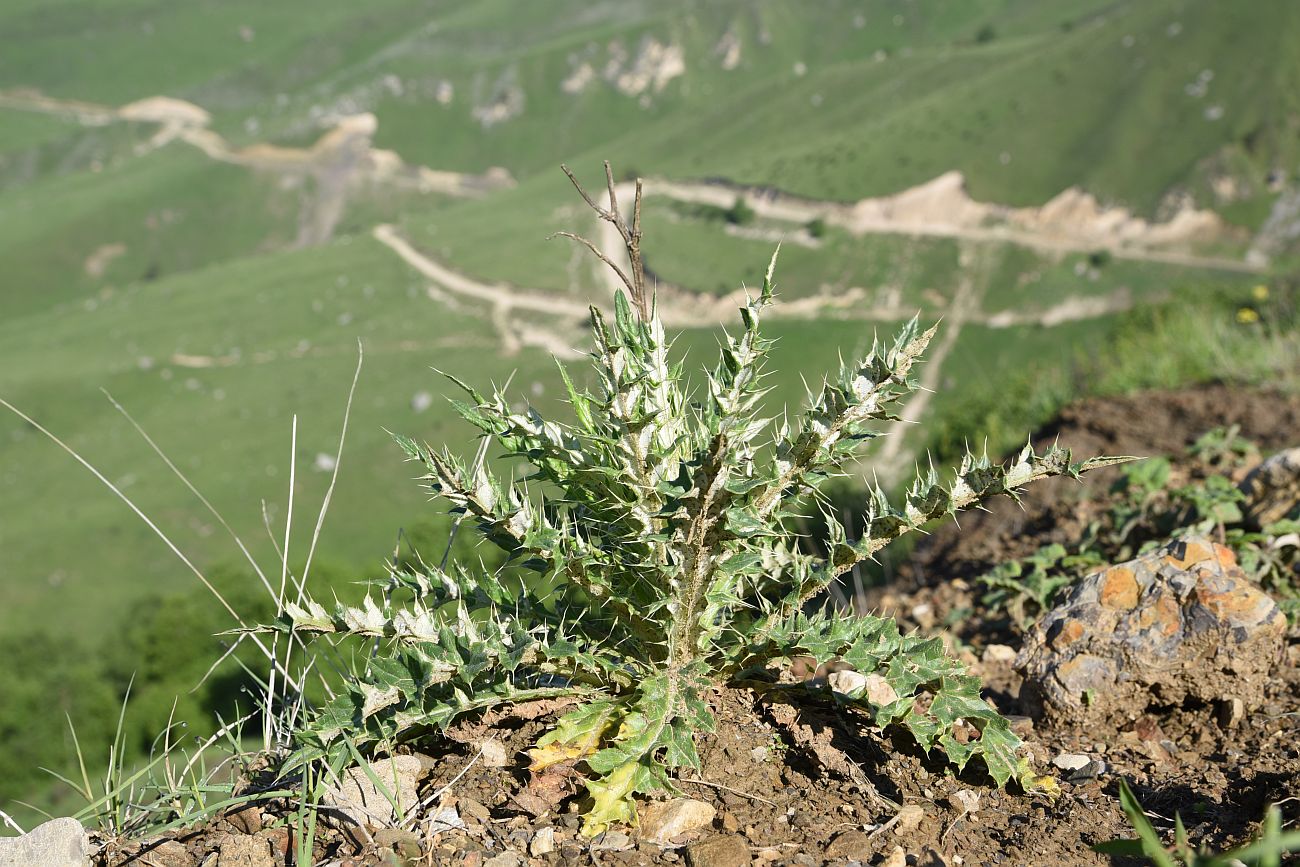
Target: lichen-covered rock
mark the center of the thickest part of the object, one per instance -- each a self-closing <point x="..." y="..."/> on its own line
<point x="57" y="843"/>
<point x="1180" y="622"/>
<point x="1273" y="489"/>
<point x="359" y="800"/>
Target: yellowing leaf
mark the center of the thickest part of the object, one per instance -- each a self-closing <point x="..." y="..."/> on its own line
<point x="612" y="799"/>
<point x="1045" y="784"/>
<point x="576" y="735"/>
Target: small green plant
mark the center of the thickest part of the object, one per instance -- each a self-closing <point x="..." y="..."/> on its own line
<point x="816" y="227"/>
<point x="1266" y="850"/>
<point x="740" y="213"/>
<point x="654" y="525"/>
<point x="1146" y="509"/>
<point x="1025" y="588"/>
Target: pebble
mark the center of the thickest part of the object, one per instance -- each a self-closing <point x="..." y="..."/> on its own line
<point x="446" y="819"/>
<point x="1078" y="767"/>
<point x="543" y="843"/>
<point x="850" y="846"/>
<point x="1071" y="761"/>
<point x="909" y="818"/>
<point x="721" y="851"/>
<point x="474" y="810"/>
<point x="611" y="841"/>
<point x="494" y="754"/>
<point x="664" y="821"/>
<point x="999" y="653"/>
<point x="923" y="615"/>
<point x="897" y="858"/>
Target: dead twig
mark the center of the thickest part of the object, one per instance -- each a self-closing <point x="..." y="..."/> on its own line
<point x="758" y="798"/>
<point x="631" y="235"/>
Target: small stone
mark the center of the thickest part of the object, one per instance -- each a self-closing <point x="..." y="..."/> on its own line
<point x="1229" y="713"/>
<point x="720" y="851"/>
<point x="543" y="843"/>
<point x="428" y="764"/>
<point x="1071" y="761"/>
<point x="872" y="687"/>
<point x="1021" y="725"/>
<point x="1272" y="489"/>
<point x="729" y="823"/>
<point x="405" y="843"/>
<point x="998" y="653"/>
<point x="56" y="843"/>
<point x="446" y="819"/>
<point x="664" y="821"/>
<point x="897" y="858"/>
<point x="168" y="853"/>
<point x="360" y="801"/>
<point x="611" y="841"/>
<point x="505" y="859"/>
<point x="923" y="615"/>
<point x="850" y="846"/>
<point x="1076" y="766"/>
<point x="494" y="753"/>
<point x="966" y="799"/>
<point x="248" y="820"/>
<point x="241" y="850"/>
<point x="909" y="818"/>
<point x="474" y="810"/>
<point x="848" y="682"/>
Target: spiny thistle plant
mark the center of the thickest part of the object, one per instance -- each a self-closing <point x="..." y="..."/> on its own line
<point x="656" y="525"/>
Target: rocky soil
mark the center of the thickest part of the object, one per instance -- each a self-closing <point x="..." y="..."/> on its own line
<point x="811" y="783"/>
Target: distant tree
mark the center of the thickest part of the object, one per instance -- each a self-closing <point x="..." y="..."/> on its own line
<point x="985" y="34"/>
<point x="816" y="227"/>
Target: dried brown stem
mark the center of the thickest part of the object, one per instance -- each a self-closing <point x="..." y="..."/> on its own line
<point x="631" y="235"/>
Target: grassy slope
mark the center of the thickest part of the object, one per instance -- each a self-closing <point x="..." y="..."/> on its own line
<point x="1048" y="95"/>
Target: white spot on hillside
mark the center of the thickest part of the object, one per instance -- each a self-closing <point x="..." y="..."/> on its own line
<point x="577" y="81"/>
<point x="655" y="64"/>
<point x="729" y="48"/>
<point x="505" y="103"/>
<point x="97" y="262"/>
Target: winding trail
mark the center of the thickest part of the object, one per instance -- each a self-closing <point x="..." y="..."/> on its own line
<point x="966" y="300"/>
<point x="342" y="159"/>
<point x="501" y="298"/>
<point x="1071" y="223"/>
